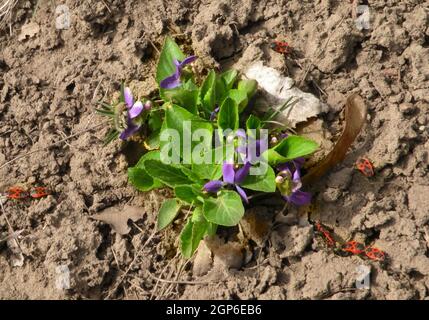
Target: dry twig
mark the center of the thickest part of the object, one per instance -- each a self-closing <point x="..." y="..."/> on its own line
<point x="6" y="7"/>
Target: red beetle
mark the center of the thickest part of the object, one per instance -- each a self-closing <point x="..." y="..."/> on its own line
<point x="281" y="47"/>
<point x="365" y="167"/>
<point x="375" y="254"/>
<point x="325" y="233"/>
<point x="17" y="193"/>
<point x="353" y="247"/>
<point x="38" y="192"/>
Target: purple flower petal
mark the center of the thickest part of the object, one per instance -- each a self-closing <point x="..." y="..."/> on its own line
<point x="242" y="193"/>
<point x="129" y="131"/>
<point x="176" y="63"/>
<point x="213" y="186"/>
<point x="296" y="177"/>
<point x="135" y="110"/>
<point x="296" y="181"/>
<point x="170" y="82"/>
<point x="283" y="136"/>
<point x="173" y="81"/>
<point x="241" y="133"/>
<point x="255" y="148"/>
<point x="228" y="173"/>
<point x="299" y="198"/>
<point x="298" y="162"/>
<point x="285" y="167"/>
<point x="128" y="97"/>
<point x="242" y="173"/>
<point x="262" y="146"/>
<point x="187" y="60"/>
<point x="241" y="149"/>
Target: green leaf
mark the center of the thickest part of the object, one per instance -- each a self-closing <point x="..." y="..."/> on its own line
<point x="240" y="98"/>
<point x="208" y="91"/>
<point x="175" y="117"/>
<point x="221" y="91"/>
<point x="152" y="141"/>
<point x="211" y="229"/>
<point x="191" y="174"/>
<point x="122" y="96"/>
<point x="248" y="86"/>
<point x="224" y="83"/>
<point x="273" y="112"/>
<point x="192" y="234"/>
<point x="169" y="210"/>
<point x="188" y="193"/>
<point x="290" y="148"/>
<point x="106" y="113"/>
<point x="225" y="210"/>
<point x="166" y="66"/>
<point x="168" y="174"/>
<point x="212" y="170"/>
<point x="228" y="115"/>
<point x="140" y="178"/>
<point x="198" y="216"/>
<point x="155" y="120"/>
<point x="263" y="183"/>
<point x="185" y="96"/>
<point x="228" y="78"/>
<point x="151" y="155"/>
<point x="253" y="122"/>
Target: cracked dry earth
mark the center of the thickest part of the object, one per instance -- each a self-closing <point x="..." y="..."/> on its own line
<point x="50" y="80"/>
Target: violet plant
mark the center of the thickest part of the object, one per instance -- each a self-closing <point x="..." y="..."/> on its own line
<point x="213" y="192"/>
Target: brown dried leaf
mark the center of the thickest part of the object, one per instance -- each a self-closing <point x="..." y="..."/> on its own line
<point x="118" y="218"/>
<point x="355" y="117"/>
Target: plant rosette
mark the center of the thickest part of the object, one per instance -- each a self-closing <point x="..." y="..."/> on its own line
<point x="207" y="147"/>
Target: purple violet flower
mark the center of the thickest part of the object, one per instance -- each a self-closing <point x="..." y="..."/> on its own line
<point x="173" y="81"/>
<point x="252" y="149"/>
<point x="130" y="130"/>
<point x="289" y="183"/>
<point x="213" y="186"/>
<point x="230" y="177"/>
<point x="134" y="109"/>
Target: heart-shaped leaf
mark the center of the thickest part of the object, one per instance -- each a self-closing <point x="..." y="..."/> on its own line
<point x="225" y="210"/>
<point x="290" y="148"/>
<point x="264" y="183"/>
<point x="140" y="178"/>
<point x="188" y="193"/>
